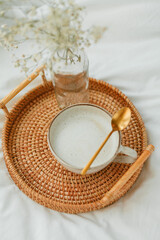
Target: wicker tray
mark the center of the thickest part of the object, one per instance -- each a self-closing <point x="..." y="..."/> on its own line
<point x="34" y="169"/>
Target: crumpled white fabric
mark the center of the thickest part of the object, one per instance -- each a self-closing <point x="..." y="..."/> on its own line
<point x="127" y="57"/>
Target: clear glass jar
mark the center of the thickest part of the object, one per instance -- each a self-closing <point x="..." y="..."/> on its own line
<point x="71" y="78"/>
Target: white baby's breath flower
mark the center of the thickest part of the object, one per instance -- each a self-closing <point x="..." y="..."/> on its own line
<point x="58" y="28"/>
<point x="96" y="32"/>
<point x="4" y="26"/>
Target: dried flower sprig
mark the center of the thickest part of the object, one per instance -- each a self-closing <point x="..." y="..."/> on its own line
<point x="51" y="26"/>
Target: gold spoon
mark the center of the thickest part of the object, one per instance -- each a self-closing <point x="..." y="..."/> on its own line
<point x="120" y="120"/>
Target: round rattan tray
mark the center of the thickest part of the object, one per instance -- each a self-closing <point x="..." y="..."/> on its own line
<point x="36" y="172"/>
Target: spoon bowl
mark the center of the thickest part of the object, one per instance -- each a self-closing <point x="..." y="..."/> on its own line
<point x="121" y="119"/>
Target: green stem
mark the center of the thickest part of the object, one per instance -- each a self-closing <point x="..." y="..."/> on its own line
<point x="73" y="53"/>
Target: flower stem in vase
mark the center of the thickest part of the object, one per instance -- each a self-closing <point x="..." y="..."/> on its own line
<point x="71" y="82"/>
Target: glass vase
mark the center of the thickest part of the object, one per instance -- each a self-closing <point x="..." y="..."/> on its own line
<point x="71" y="78"/>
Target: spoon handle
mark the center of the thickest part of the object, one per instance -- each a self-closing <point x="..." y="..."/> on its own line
<point x="85" y="169"/>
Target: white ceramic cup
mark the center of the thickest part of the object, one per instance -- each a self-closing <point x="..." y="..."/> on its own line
<point x="77" y="132"/>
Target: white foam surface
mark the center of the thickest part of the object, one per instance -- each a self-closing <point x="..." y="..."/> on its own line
<point x="78" y="132"/>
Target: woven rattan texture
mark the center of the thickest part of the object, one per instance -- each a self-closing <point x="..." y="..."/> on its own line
<point x="35" y="170"/>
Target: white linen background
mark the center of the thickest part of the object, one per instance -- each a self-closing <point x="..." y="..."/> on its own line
<point x="128" y="57"/>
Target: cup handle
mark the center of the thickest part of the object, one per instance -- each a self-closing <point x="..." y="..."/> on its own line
<point x="131" y="155"/>
<point x="128" y="151"/>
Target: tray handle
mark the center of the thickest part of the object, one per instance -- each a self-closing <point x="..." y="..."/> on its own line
<point x="21" y="86"/>
<point x="123" y="180"/>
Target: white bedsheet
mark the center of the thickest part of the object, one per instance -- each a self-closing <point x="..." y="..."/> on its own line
<point x="127" y="57"/>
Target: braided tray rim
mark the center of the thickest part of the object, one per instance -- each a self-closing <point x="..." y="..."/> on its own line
<point x="48" y="202"/>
